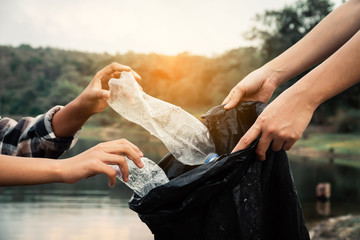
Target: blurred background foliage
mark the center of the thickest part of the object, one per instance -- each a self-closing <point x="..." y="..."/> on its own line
<point x="32" y="80"/>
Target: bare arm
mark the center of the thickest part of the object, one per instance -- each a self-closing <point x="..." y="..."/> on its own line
<point x="21" y="170"/>
<point x="24" y="171"/>
<point x="285" y="119"/>
<point x="321" y="42"/>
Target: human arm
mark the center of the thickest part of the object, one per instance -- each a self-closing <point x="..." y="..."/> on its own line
<point x="24" y="171"/>
<point x="322" y="41"/>
<point x="33" y="137"/>
<point x="284" y="120"/>
<point x="92" y="100"/>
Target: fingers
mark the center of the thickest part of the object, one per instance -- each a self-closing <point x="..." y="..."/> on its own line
<point x="103" y="94"/>
<point x="248" y="138"/>
<point x="288" y="144"/>
<point x="266" y="139"/>
<point x="110" y="172"/>
<point x="277" y="144"/>
<point x="226" y="100"/>
<point x="117" y="74"/>
<point x="97" y="159"/>
<point x="136" y="75"/>
<point x="124" y="147"/>
<point x="120" y="161"/>
<point x="133" y="146"/>
<point x="262" y="147"/>
<point x="114" y="67"/>
<point x="124" y="170"/>
<point x="269" y="136"/>
<point x="113" y="70"/>
<point x="107" y="72"/>
<point x="234" y="97"/>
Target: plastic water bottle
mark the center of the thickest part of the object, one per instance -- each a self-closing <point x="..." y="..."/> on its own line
<point x="184" y="136"/>
<point x="142" y="180"/>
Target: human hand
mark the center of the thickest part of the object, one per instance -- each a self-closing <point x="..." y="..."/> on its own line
<point x="94" y="98"/>
<point x="280" y="125"/>
<point x="258" y="85"/>
<point x="95" y="161"/>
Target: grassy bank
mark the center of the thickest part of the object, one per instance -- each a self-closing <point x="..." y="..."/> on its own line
<point x="343" y="149"/>
<point x="340" y="148"/>
<point x="344" y="144"/>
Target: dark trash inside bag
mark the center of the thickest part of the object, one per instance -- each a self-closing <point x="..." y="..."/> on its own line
<point x="236" y="197"/>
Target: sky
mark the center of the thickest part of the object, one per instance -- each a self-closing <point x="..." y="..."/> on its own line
<point x="204" y="27"/>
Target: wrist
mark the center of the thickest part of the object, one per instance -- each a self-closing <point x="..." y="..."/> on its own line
<point x="69" y="119"/>
<point x="277" y="74"/>
<point x="83" y="107"/>
<point x="58" y="171"/>
<point x="303" y="95"/>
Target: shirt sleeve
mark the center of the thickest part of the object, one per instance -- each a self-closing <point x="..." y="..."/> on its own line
<point x="33" y="137"/>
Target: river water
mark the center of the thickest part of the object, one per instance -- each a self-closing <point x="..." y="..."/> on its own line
<point x="91" y="210"/>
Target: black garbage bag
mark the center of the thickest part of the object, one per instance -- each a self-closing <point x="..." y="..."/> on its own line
<point x="236" y="197"/>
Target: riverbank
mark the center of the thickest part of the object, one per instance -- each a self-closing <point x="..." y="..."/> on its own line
<point x="325" y="144"/>
<point x="343" y="149"/>
<point x="339" y="228"/>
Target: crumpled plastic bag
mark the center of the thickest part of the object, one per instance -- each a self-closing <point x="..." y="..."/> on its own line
<point x="236" y="197"/>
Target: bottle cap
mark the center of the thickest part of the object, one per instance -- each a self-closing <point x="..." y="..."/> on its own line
<point x="211" y="157"/>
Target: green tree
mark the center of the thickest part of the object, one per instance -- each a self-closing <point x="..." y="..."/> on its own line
<point x="64" y="92"/>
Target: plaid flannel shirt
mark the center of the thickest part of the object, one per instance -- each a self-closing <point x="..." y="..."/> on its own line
<point x="33" y="137"/>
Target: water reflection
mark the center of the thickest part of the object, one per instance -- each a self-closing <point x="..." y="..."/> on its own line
<point x="345" y="188"/>
<point x="58" y="212"/>
<point x="323" y="208"/>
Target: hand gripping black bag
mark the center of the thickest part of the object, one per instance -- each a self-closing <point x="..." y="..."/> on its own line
<point x="236" y="197"/>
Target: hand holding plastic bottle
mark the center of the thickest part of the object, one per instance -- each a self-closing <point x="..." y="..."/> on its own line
<point x="97" y="93"/>
<point x="91" y="101"/>
<point x="96" y="160"/>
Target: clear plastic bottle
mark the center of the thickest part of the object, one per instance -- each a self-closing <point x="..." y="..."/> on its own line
<point x="142" y="180"/>
<point x="184" y="136"/>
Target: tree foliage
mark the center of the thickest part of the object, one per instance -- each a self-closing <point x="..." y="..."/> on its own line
<point x="35" y="79"/>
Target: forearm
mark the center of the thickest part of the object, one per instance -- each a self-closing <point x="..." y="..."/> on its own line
<point x="336" y="74"/>
<point x="328" y="36"/>
<point x="70" y="119"/>
<point x="26" y="171"/>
